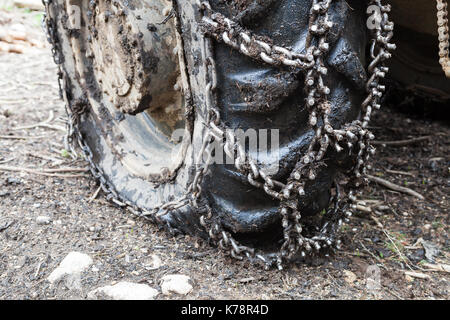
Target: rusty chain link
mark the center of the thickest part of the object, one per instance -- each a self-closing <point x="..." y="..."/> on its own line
<point x="353" y="137"/>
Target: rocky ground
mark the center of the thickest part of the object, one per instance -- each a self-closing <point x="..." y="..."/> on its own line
<point x="59" y="241"/>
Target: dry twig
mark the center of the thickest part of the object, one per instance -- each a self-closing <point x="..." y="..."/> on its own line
<point x="21" y="137"/>
<point x="92" y="198"/>
<point x="44" y="124"/>
<point x="400" y="172"/>
<point x="400" y="254"/>
<point x="47" y="172"/>
<point x="436" y="267"/>
<point x="395" y="187"/>
<point x="417" y="275"/>
<point x="401" y="143"/>
<point x="44" y="157"/>
<point x="7" y="160"/>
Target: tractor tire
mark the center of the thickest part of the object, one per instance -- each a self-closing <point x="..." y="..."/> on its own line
<point x="122" y="64"/>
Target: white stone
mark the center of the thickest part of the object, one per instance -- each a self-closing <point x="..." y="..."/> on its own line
<point x="176" y="283"/>
<point x="43" y="220"/>
<point x="73" y="263"/>
<point x="350" y="277"/>
<point x="125" y="291"/>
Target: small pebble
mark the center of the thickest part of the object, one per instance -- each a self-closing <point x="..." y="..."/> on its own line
<point x="176" y="283"/>
<point x="73" y="263"/>
<point x="43" y="220"/>
<point x="4" y="193"/>
<point x="125" y="291"/>
<point x="153" y="263"/>
<point x="350" y="277"/>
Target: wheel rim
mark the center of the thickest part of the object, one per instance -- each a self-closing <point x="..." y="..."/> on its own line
<point x="130" y="74"/>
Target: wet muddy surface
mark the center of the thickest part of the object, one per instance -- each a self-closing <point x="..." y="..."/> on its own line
<point x="399" y="250"/>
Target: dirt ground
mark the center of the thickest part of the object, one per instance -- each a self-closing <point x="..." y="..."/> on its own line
<point x="121" y="246"/>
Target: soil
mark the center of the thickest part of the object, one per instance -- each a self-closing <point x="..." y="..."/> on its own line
<point x="121" y="246"/>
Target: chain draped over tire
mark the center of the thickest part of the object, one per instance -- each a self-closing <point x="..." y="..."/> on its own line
<point x="443" y="31"/>
<point x="353" y="138"/>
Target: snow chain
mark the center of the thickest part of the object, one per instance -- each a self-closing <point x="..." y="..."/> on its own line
<point x="353" y="138"/>
<point x="443" y="31"/>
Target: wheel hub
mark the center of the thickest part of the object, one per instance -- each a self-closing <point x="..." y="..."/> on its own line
<point x="134" y="56"/>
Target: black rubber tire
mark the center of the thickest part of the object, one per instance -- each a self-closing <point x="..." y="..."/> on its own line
<point x="242" y="208"/>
